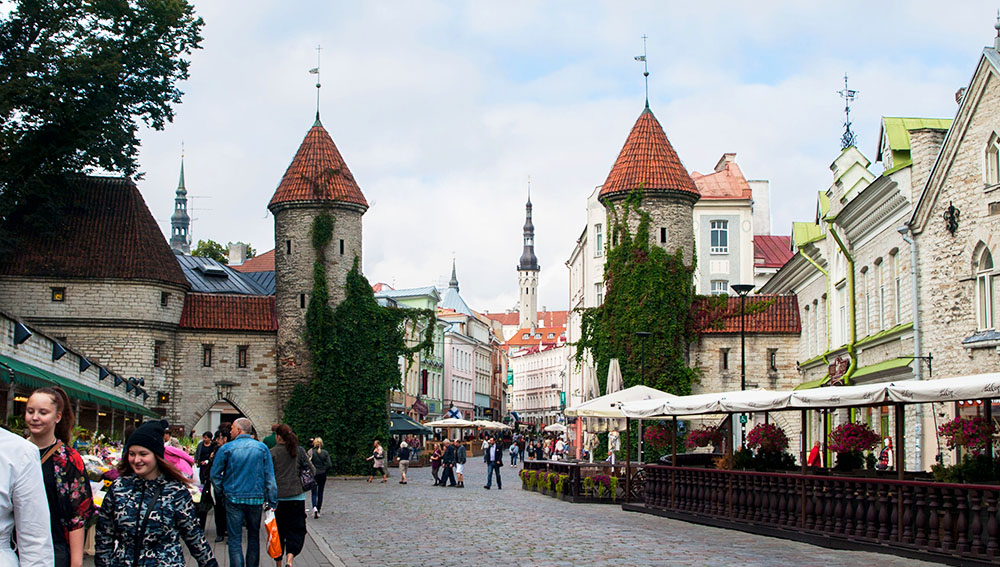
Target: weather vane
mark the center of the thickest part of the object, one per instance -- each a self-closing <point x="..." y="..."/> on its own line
<point x="645" y="67"/>
<point x="848" y="94"/>
<point x="315" y="71"/>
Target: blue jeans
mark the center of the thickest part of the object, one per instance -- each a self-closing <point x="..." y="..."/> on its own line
<point x="490" y="468"/>
<point x="317" y="491"/>
<point x="238" y="516"/>
<point x="513" y="459"/>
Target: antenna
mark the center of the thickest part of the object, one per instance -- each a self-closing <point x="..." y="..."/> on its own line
<point x="645" y="67"/>
<point x="315" y="71"/>
<point x="848" y="94"/>
<point x="529" y="188"/>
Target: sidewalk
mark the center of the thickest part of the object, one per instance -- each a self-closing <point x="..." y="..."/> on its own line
<point x="314" y="553"/>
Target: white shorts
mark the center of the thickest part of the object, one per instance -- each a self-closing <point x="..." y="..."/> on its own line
<point x="459" y="468"/>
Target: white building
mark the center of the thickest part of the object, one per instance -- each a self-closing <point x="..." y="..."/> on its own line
<point x="539" y="384"/>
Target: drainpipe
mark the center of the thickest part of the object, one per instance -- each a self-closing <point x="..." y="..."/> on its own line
<point x="918" y="368"/>
<point x="853" y="336"/>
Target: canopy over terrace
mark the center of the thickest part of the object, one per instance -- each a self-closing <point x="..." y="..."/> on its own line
<point x="603" y="413"/>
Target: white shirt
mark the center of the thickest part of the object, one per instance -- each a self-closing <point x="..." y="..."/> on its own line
<point x="23" y="504"/>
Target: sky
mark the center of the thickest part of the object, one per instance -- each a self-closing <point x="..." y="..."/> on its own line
<point x="444" y="110"/>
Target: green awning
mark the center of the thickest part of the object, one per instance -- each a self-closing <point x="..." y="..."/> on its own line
<point x="885" y="333"/>
<point x="813" y="383"/>
<point x="34" y="377"/>
<point x="400" y="424"/>
<point x="885" y="365"/>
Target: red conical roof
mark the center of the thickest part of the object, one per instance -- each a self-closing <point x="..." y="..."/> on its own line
<point x="648" y="159"/>
<point x="318" y="173"/>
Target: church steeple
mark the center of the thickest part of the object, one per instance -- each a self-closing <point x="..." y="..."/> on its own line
<point x="527" y="274"/>
<point x="180" y="222"/>
<point x="453" y="283"/>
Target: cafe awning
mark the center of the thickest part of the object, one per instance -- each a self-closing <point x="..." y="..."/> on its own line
<point x="401" y="425"/>
<point x="31" y="376"/>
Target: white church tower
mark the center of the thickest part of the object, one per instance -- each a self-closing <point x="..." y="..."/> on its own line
<point x="527" y="275"/>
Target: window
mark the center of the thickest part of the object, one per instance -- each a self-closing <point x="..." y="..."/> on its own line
<point x="164" y="298"/>
<point x="897" y="289"/>
<point x="341" y="246"/>
<point x="880" y="281"/>
<point x="288" y="247"/>
<point x="598" y="241"/>
<point x="599" y="292"/>
<point x="991" y="171"/>
<point x="59" y="294"/>
<point x="865" y="284"/>
<point x="720" y="287"/>
<point x="772" y="360"/>
<point x="720" y="237"/>
<point x="842" y="297"/>
<point x="241" y="356"/>
<point x="986" y="288"/>
<point x="158" y="353"/>
<point x="423" y="382"/>
<point x="723" y="359"/>
<point x="206" y="355"/>
<point x="302" y="301"/>
<point x="663" y="235"/>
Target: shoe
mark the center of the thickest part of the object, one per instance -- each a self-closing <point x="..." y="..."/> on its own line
<point x="402" y="482"/>
<point x="316" y="513"/>
<point x="382" y="481"/>
<point x="486" y="487"/>
<point x="369" y="480"/>
<point x="219" y="539"/>
<point x="499" y="487"/>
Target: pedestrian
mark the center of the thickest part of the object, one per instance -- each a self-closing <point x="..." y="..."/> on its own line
<point x="403" y="456"/>
<point x="218" y="498"/>
<point x="290" y="514"/>
<point x="203" y="457"/>
<point x="460" y="459"/>
<point x="23" y="505"/>
<point x="378" y="461"/>
<point x="513" y="454"/>
<point x="448" y="461"/>
<point x="436" y="465"/>
<point x="243" y="473"/>
<point x="148" y="510"/>
<point x="494" y="460"/>
<point x="176" y="455"/>
<point x="322" y="463"/>
<point x="49" y="418"/>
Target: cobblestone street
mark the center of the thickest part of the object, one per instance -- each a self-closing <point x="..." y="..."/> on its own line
<point x="418" y="525"/>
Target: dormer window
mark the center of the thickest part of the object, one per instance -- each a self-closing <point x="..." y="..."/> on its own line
<point x="526" y="336"/>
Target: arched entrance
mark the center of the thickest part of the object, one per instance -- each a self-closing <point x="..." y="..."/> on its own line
<point x="222" y="411"/>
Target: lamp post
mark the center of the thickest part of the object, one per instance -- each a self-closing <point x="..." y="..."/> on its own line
<point x="643" y="335"/>
<point x="742" y="290"/>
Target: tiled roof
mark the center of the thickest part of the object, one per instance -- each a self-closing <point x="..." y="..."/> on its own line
<point x="780" y="316"/>
<point x="518" y="341"/>
<point x="770" y="251"/>
<point x="106" y="232"/>
<point x="726" y="183"/>
<point x="259" y="263"/>
<point x="206" y="275"/>
<point x="318" y="173"/>
<point x="545" y="318"/>
<point x="218" y="312"/>
<point x="648" y="159"/>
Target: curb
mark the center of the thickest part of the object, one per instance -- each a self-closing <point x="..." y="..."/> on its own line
<point x="324" y="548"/>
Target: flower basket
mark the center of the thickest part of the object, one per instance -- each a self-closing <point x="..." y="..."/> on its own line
<point x="767" y="438"/>
<point x="849" y="441"/>
<point x="602" y="485"/>
<point x="561" y="484"/>
<point x="704" y="437"/>
<point x="973" y="434"/>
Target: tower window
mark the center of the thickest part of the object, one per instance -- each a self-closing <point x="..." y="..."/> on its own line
<point x="598" y="241"/>
<point x="720" y="236"/>
<point x="723" y="359"/>
<point x="206" y="355"/>
<point x="341" y="246"/>
<point x="288" y="247"/>
<point x="59" y="294"/>
<point x="302" y="301"/>
<point x="158" y="353"/>
<point x="772" y="360"/>
<point x="241" y="356"/>
<point x="164" y="298"/>
<point x="663" y="235"/>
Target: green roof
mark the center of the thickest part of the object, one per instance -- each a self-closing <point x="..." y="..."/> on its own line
<point x="805" y="232"/>
<point x="34" y="377"/>
<point x="813" y="383"/>
<point x="885" y="365"/>
<point x="897" y="129"/>
<point x="824" y="203"/>
<point x="887" y="332"/>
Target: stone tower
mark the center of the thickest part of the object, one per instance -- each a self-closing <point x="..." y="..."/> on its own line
<point x="180" y="222"/>
<point x="317" y="181"/>
<point x="649" y="163"/>
<point x="527" y="274"/>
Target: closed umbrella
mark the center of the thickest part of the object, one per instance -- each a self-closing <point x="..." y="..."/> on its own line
<point x="614" y="384"/>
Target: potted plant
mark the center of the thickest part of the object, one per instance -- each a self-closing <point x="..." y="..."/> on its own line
<point x="614" y="488"/>
<point x="768" y="442"/>
<point x="588" y="485"/>
<point x="561" y="484"/>
<point x="703" y="437"/>
<point x="974" y="435"/>
<point x="602" y="483"/>
<point x="849" y="441"/>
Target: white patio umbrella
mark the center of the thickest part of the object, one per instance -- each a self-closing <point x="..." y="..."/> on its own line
<point x="555" y="428"/>
<point x="449" y="423"/>
<point x="614" y="377"/>
<point x="486" y="424"/>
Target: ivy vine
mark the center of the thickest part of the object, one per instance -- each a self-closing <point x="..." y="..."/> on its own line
<point x="355" y="349"/>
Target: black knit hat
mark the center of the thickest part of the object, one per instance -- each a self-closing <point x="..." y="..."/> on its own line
<point x="148" y="435"/>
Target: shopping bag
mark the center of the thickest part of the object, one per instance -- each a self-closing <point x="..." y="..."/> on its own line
<point x="273" y="542"/>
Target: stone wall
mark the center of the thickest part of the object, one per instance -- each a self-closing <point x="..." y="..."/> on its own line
<point x="706" y="355"/>
<point x="670" y="211"/>
<point x="293" y="261"/>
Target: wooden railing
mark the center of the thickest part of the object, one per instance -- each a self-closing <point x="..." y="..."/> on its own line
<point x="949" y="520"/>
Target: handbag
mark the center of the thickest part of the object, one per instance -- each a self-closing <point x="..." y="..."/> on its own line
<point x="306" y="476"/>
<point x="273" y="541"/>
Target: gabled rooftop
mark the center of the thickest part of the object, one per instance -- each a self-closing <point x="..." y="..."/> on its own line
<point x="218" y="312"/>
<point x="206" y="275"/>
<point x="770" y="251"/>
<point x="726" y="182"/>
<point x="318" y="173"/>
<point x="259" y="263"/>
<point x="647" y="160"/>
<point x="779" y="315"/>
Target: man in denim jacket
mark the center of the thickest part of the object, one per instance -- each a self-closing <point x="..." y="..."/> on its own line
<point x="244" y="473"/>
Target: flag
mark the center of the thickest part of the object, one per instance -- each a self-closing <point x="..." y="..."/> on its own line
<point x="314" y="71"/>
<point x="637" y="58"/>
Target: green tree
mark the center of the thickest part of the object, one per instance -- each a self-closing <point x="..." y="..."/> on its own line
<point x="211" y="249"/>
<point x="76" y="78"/>
<point x="647" y="290"/>
<point x="355" y="350"/>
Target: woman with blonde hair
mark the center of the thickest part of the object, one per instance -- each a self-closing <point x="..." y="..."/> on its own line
<point x="321" y="461"/>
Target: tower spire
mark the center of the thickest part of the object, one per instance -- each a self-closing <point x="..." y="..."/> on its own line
<point x="645" y="67"/>
<point x="527" y="272"/>
<point x="315" y="71"/>
<point x="848" y="139"/>
<point x="453" y="283"/>
<point x="180" y="222"/>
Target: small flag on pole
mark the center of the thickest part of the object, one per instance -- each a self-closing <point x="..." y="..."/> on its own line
<point x="637" y="58"/>
<point x="314" y="71"/>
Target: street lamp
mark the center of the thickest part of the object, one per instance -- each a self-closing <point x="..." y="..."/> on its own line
<point x="742" y="290"/>
<point x="643" y="335"/>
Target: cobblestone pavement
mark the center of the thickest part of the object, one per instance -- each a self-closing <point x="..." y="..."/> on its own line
<point x="418" y="524"/>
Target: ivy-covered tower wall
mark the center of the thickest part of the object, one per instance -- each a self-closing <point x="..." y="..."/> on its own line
<point x="671" y="225"/>
<point x="317" y="182"/>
